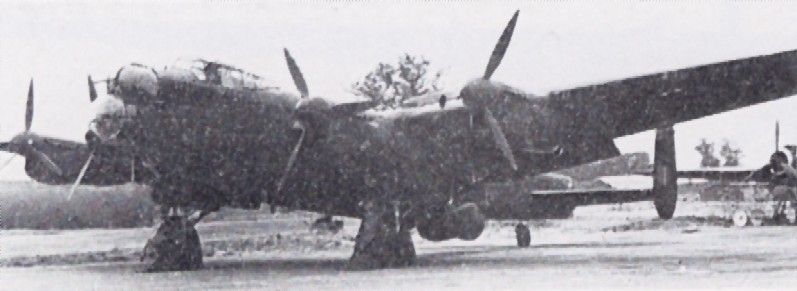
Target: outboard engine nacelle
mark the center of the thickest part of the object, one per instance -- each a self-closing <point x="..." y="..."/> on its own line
<point x="465" y="222"/>
<point x="665" y="176"/>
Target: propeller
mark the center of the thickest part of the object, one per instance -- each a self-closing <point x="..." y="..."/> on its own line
<point x="301" y="85"/>
<point x="92" y="90"/>
<point x="25" y="142"/>
<point x="495" y="59"/>
<point x="91" y="140"/>
<point x="777" y="135"/>
<point x="29" y="108"/>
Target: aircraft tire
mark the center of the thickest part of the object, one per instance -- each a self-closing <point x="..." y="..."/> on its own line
<point x="522" y="235"/>
<point x="378" y="243"/>
<point x="176" y="247"/>
<point x="740" y="218"/>
<point x="665" y="186"/>
<point x="665" y="203"/>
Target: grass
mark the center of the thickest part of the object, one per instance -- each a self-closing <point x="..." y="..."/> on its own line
<point x="31" y="205"/>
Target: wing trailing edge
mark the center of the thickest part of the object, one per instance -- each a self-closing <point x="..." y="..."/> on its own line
<point x="642" y="103"/>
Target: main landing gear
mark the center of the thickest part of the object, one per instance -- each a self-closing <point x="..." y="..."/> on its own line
<point x="176" y="245"/>
<point x="383" y="240"/>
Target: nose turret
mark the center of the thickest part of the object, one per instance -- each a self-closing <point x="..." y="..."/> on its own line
<point x="134" y="84"/>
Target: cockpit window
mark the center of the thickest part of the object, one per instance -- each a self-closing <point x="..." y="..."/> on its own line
<point x="195" y="67"/>
<point x="223" y="75"/>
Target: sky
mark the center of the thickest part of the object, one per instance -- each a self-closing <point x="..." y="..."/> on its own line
<point x="556" y="45"/>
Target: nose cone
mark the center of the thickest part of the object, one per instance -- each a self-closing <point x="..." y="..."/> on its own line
<point x="136" y="83"/>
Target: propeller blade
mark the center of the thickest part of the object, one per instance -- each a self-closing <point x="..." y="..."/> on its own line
<point x="92" y="90"/>
<point x="291" y="160"/>
<point x="296" y="74"/>
<point x="500" y="138"/>
<point x="777" y="135"/>
<point x="80" y="176"/>
<point x="29" y="107"/>
<point x="500" y="47"/>
<point x="8" y="161"/>
<point x="47" y="161"/>
<point x="133" y="170"/>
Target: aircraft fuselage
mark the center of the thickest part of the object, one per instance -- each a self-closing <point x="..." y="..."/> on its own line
<point x="216" y="144"/>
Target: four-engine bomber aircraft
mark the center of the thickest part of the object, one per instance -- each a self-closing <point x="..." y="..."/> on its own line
<point x="210" y="135"/>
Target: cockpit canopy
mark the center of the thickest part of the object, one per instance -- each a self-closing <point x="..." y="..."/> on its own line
<point x="136" y="84"/>
<point x="216" y="73"/>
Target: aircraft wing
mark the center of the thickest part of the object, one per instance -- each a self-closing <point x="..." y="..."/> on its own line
<point x="723" y="174"/>
<point x="556" y="203"/>
<point x="109" y="165"/>
<point x="637" y="104"/>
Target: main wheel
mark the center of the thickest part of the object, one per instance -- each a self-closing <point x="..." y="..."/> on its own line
<point x="665" y="175"/>
<point x="175" y="246"/>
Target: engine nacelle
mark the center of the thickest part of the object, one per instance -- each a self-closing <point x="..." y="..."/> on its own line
<point x="465" y="222"/>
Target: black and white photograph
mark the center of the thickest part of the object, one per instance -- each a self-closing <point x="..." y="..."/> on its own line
<point x="398" y="145"/>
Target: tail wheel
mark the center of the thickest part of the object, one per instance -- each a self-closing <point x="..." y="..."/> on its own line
<point x="523" y="235"/>
<point x="665" y="187"/>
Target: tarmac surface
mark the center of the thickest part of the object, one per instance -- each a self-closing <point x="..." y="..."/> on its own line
<point x="605" y="247"/>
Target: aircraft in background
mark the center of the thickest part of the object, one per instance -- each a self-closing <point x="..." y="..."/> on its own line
<point x="734" y="173"/>
<point x="206" y="135"/>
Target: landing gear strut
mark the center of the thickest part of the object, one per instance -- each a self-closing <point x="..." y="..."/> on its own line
<point x="523" y="235"/>
<point x="383" y="240"/>
<point x="176" y="245"/>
